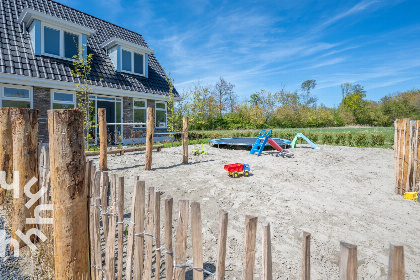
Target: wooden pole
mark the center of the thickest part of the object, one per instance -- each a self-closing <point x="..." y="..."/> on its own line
<point x="103" y="144"/>
<point x="69" y="193"/>
<point x="396" y="268"/>
<point x="148" y="248"/>
<point x="266" y="252"/>
<point x="95" y="228"/>
<point x="25" y="161"/>
<point x="110" y="241"/>
<point x="185" y="140"/>
<point x="138" y="190"/>
<point x="157" y="234"/>
<point x="348" y="261"/>
<point x="169" y="256"/>
<point x="417" y="161"/>
<point x="139" y="228"/>
<point x="400" y="155"/>
<point x="406" y="152"/>
<point x="306" y="256"/>
<point x="150" y="125"/>
<point x="104" y="201"/>
<point x="197" y="240"/>
<point x="181" y="239"/>
<point x="120" y="189"/>
<point x="6" y="148"/>
<point x="397" y="152"/>
<point x="249" y="247"/>
<point x="221" y="245"/>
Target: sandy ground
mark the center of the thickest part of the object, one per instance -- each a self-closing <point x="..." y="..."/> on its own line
<point x="336" y="194"/>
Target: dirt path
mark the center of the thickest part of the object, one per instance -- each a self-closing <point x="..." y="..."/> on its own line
<point x="336" y="194"/>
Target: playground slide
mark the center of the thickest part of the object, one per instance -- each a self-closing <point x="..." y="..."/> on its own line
<point x="274" y="144"/>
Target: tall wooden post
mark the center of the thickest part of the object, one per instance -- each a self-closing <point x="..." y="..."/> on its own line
<point x="6" y="148"/>
<point x="348" y="261"/>
<point x="185" y="141"/>
<point x="306" y="256"/>
<point x="396" y="268"/>
<point x="150" y="125"/>
<point x="249" y="247"/>
<point x="69" y="193"/>
<point x="221" y="245"/>
<point x="25" y="161"/>
<point x="102" y="139"/>
<point x="266" y="252"/>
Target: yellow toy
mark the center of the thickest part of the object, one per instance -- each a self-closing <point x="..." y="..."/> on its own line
<point x="411" y="195"/>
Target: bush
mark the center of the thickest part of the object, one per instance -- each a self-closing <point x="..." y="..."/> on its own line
<point x="327" y="138"/>
<point x="313" y="136"/>
<point x="350" y="139"/>
<point x="340" y="139"/>
<point x="361" y="140"/>
<point x="377" y="139"/>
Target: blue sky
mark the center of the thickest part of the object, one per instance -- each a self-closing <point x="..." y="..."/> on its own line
<point x="279" y="44"/>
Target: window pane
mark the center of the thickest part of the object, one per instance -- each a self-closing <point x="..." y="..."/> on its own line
<point x="16" y="92"/>
<point x="160" y="119"/>
<point x="105" y="98"/>
<point x="138" y="63"/>
<point x="51" y="41"/>
<point x="15" y="103"/>
<point x="126" y="60"/>
<point x="62" y="106"/>
<point x="63" y="97"/>
<point x="140" y="116"/>
<point x="71" y="45"/>
<point x="160" y="105"/>
<point x="118" y="105"/>
<point x="139" y="104"/>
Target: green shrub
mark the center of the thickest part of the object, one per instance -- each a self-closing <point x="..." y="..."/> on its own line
<point x="313" y="136"/>
<point x="340" y="139"/>
<point x="361" y="140"/>
<point x="350" y="139"/>
<point x="327" y="138"/>
<point x="377" y="139"/>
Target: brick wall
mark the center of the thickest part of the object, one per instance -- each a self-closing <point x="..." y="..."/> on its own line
<point x="42" y="102"/>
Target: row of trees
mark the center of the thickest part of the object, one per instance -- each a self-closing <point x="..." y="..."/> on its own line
<point x="217" y="107"/>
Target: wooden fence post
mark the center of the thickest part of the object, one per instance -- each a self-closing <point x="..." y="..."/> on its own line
<point x="348" y="261"/>
<point x="6" y="148"/>
<point x="181" y="239"/>
<point x="25" y="154"/>
<point x="266" y="252"/>
<point x="306" y="256"/>
<point x="148" y="248"/>
<point x="112" y="220"/>
<point x="397" y="140"/>
<point x="69" y="193"/>
<point x="396" y="268"/>
<point x="157" y="234"/>
<point x="94" y="228"/>
<point x="139" y="228"/>
<point x="104" y="201"/>
<point x="169" y="256"/>
<point x="138" y="190"/>
<point x="185" y="140"/>
<point x="221" y="245"/>
<point x="249" y="247"/>
<point x="120" y="226"/>
<point x="197" y="240"/>
<point x="150" y="126"/>
<point x="103" y="139"/>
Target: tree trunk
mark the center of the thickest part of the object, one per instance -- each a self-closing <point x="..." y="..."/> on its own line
<point x="6" y="148"/>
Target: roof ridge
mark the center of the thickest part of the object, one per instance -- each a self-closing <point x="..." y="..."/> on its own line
<point x="98" y="18"/>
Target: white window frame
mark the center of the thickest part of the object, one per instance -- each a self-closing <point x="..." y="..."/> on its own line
<point x="30" y="99"/>
<point x="61" y="56"/>
<point x="145" y="111"/>
<point x="166" y="113"/>
<point x="132" y="61"/>
<point x="62" y="102"/>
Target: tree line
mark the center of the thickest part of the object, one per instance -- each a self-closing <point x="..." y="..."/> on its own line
<point x="217" y="107"/>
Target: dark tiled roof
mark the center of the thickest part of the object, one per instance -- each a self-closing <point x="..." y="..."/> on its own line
<point x="17" y="56"/>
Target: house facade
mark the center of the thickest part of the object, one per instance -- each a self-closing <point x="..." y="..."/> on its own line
<point x="38" y="41"/>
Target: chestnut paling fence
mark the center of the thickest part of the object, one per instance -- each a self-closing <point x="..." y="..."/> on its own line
<point x="134" y="248"/>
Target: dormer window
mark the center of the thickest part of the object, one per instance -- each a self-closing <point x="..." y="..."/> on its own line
<point x="53" y="36"/>
<point x="132" y="62"/>
<point x="128" y="57"/>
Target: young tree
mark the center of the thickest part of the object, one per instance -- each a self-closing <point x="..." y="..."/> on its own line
<point x="81" y="72"/>
<point x="225" y="96"/>
<point x="307" y="99"/>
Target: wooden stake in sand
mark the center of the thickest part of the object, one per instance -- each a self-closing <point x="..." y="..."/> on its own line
<point x="185" y="140"/>
<point x="221" y="245"/>
<point x="150" y="125"/>
<point x="396" y="268"/>
<point x="169" y="257"/>
<point x="6" y="148"/>
<point x="103" y="144"/>
<point x="348" y="261"/>
<point x="249" y="247"/>
<point x="69" y="193"/>
<point x="267" y="262"/>
<point x="306" y="256"/>
<point x="197" y="240"/>
<point x="25" y="161"/>
<point x="181" y="239"/>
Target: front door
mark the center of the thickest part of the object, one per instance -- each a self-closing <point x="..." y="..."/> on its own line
<point x="110" y="118"/>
